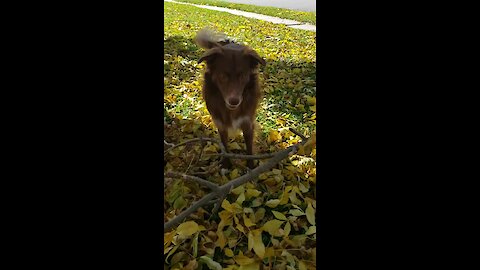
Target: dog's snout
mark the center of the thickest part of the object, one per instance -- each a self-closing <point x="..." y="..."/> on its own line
<point x="234" y="101"/>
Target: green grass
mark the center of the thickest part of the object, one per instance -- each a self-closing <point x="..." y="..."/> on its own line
<point x="301" y="16"/>
<point x="288" y="80"/>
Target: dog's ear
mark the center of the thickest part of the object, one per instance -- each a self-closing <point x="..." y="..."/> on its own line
<point x="255" y="57"/>
<point x="210" y="54"/>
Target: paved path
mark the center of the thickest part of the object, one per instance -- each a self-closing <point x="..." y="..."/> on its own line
<point x="303" y="5"/>
<point x="289" y="23"/>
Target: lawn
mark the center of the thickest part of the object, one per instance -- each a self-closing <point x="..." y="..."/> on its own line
<point x="301" y="16"/>
<point x="275" y="227"/>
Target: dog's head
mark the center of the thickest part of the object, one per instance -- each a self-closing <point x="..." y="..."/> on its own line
<point x="231" y="67"/>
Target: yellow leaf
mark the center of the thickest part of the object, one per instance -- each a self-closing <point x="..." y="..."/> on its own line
<point x="272" y="203"/>
<point x="187" y="228"/>
<point x="250" y="240"/>
<point x="243" y="260"/>
<point x="221" y="241"/>
<point x="210" y="263"/>
<point x="273" y="227"/>
<point x="231" y="207"/>
<point x="269" y="252"/>
<point x="303" y="188"/>
<point x="274" y="136"/>
<point x="301" y="265"/>
<point x="238" y="190"/>
<point x="250" y="185"/>
<point x="247" y="221"/>
<point x="252" y="193"/>
<point x="276" y="171"/>
<point x="241" y="198"/>
<point x="259" y="214"/>
<point x="284" y="198"/>
<point x="227" y="206"/>
<point x="234" y="174"/>
<point x="226" y="218"/>
<point x="311" y="230"/>
<point x="234" y="146"/>
<point x="229" y="252"/>
<point x="279" y="215"/>
<point x="240" y="228"/>
<point x="296" y="212"/>
<point x="168" y="237"/>
<point x="287" y="229"/>
<point x="252" y="266"/>
<point x="258" y="245"/>
<point x="210" y="148"/>
<point x="310" y="214"/>
<point x="294" y="199"/>
<point x="236" y="219"/>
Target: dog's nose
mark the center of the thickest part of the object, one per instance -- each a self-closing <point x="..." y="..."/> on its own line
<point x="233" y="101"/>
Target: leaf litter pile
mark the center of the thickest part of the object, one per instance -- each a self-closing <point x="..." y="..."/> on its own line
<point x="268" y="223"/>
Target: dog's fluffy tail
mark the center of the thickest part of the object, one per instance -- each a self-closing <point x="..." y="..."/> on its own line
<point x="208" y="38"/>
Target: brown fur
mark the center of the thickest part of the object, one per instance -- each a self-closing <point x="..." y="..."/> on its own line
<point x="231" y="77"/>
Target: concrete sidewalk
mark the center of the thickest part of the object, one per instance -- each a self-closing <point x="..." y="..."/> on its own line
<point x="302" y="5"/>
<point x="276" y="20"/>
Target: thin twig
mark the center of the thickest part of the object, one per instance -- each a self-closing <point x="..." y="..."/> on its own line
<point x="167" y="143"/>
<point x="191" y="141"/>
<point x="240" y="156"/>
<point x="298" y="133"/>
<point x="210" y="185"/>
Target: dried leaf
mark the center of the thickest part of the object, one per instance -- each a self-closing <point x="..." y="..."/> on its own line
<point x="310" y="212"/>
<point x="311" y="230"/>
<point x="187" y="228"/>
<point x="273" y="227"/>
<point x="258" y="245"/>
<point x="279" y="215"/>
<point x="213" y="265"/>
<point x="272" y="203"/>
<point x="228" y="252"/>
<point x="243" y="260"/>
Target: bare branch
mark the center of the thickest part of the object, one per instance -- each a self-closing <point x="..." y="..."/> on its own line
<point x="210" y="185"/>
<point x="298" y="133"/>
<point x="240" y="156"/>
<point x="220" y="192"/>
<point x="191" y="141"/>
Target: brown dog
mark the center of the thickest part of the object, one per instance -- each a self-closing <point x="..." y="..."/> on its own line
<point x="231" y="89"/>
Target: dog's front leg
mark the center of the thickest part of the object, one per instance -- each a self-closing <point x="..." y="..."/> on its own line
<point x="247" y="129"/>
<point x="224" y="137"/>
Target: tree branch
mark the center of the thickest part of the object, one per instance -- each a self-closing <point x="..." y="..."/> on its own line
<point x="220" y="192"/>
<point x="210" y="185"/>
<point x="192" y="140"/>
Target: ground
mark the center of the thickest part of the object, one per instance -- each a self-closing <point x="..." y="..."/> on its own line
<point x="264" y="224"/>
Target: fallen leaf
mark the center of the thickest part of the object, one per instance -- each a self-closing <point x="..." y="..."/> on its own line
<point x="187" y="228"/>
<point x="258" y="245"/>
<point x="273" y="227"/>
<point x="310" y="212"/>
<point x="213" y="265"/>
<point x="279" y="215"/>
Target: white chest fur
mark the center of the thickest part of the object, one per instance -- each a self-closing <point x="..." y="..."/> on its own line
<point x="236" y="123"/>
